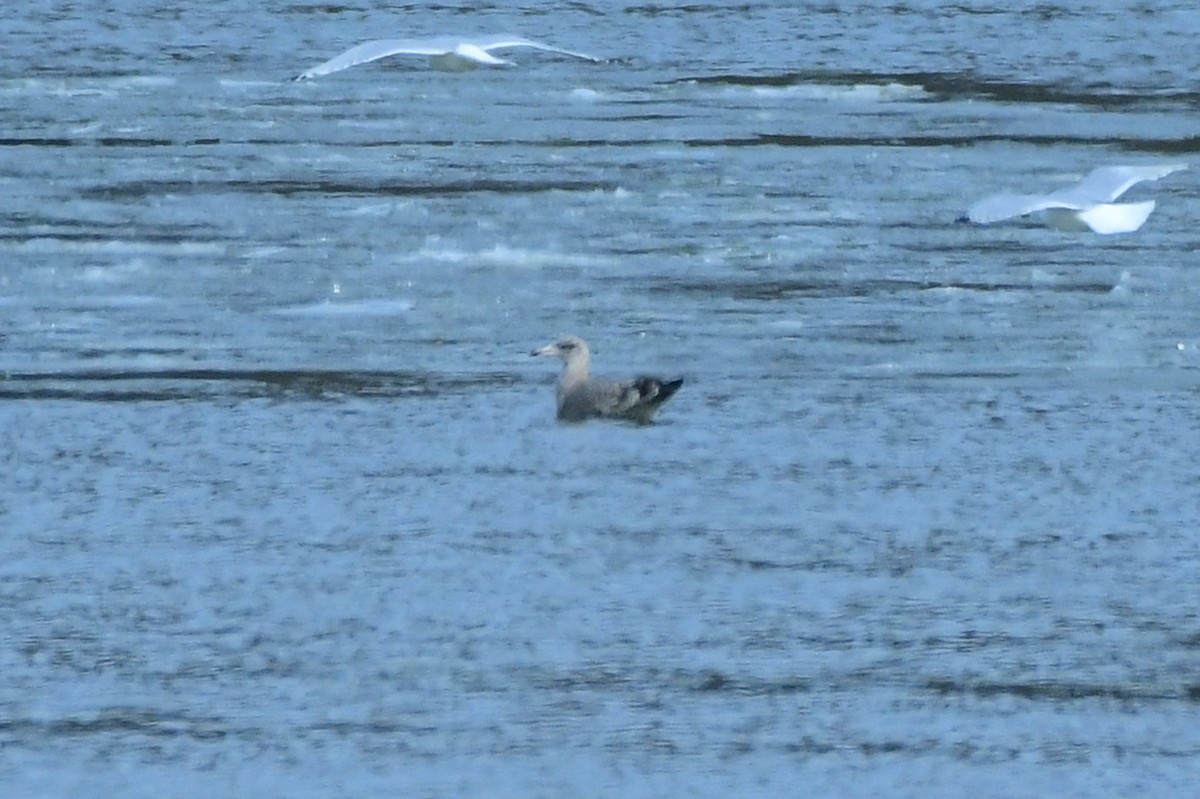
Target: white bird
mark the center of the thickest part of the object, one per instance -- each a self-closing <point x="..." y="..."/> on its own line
<point x="1086" y="205"/>
<point x="449" y="53"/>
<point x="580" y="397"/>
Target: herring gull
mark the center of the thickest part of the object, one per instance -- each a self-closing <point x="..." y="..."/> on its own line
<point x="1086" y="205"/>
<point x="581" y="397"/>
<point x="449" y="53"/>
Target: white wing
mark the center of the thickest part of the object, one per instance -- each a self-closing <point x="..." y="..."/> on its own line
<point x="474" y="49"/>
<point x="382" y="48"/>
<point x="1005" y="206"/>
<point x="1107" y="183"/>
<point x="501" y="42"/>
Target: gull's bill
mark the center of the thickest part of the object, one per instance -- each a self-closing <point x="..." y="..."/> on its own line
<point x="450" y="53"/>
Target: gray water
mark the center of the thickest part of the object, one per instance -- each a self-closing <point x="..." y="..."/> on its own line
<point x="284" y="508"/>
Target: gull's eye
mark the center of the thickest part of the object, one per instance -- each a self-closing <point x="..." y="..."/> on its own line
<point x="567" y="345"/>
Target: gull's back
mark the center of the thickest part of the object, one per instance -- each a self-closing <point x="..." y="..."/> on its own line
<point x="636" y="400"/>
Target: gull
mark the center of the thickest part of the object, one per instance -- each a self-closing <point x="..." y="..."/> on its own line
<point x="581" y="398"/>
<point x="1086" y="205"/>
<point x="449" y="53"/>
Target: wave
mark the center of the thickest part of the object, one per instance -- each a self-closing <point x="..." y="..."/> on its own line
<point x="948" y="86"/>
<point x="122" y="385"/>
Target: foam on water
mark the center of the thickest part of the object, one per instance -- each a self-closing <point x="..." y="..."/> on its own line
<point x="857" y="93"/>
<point x="51" y="243"/>
<point x="499" y="255"/>
<point x="378" y="307"/>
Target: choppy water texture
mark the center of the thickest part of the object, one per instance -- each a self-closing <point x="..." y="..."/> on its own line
<point x="284" y="509"/>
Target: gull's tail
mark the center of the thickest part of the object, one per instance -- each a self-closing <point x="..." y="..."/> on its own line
<point x="656" y="391"/>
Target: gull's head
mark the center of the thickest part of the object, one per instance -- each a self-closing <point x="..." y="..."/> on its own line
<point x="570" y="349"/>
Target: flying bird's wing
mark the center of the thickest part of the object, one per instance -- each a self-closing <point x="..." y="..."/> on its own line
<point x="1107" y="183"/>
<point x="475" y="49"/>
<point x="1005" y="206"/>
<point x="381" y="48"/>
<point x="501" y="42"/>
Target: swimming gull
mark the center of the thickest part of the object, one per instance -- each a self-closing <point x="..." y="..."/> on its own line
<point x="581" y="397"/>
<point x="1086" y="205"/>
<point x="449" y="53"/>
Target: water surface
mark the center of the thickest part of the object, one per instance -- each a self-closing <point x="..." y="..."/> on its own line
<point x="285" y="510"/>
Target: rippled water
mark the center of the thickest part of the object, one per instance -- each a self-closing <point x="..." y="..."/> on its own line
<point x="285" y="511"/>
